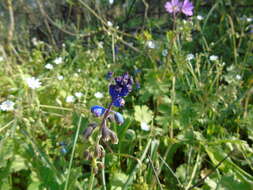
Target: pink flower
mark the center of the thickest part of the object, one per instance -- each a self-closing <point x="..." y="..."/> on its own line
<point x="187" y="8"/>
<point x="173" y="7"/>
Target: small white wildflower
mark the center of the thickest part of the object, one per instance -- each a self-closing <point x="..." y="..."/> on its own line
<point x="111" y="1"/>
<point x="75" y="75"/>
<point x="199" y="17"/>
<point x="165" y="52"/>
<point x="60" y="77"/>
<point x="7" y="105"/>
<point x="1" y="58"/>
<point x="109" y="23"/>
<point x="70" y="99"/>
<point x="223" y="64"/>
<point x="189" y="57"/>
<point x="35" y="41"/>
<point x="144" y="126"/>
<point x="78" y="94"/>
<point x="100" y="45"/>
<point x="151" y="44"/>
<point x="79" y="70"/>
<point x="49" y="66"/>
<point x="98" y="95"/>
<point x="33" y="83"/>
<point x="63" y="45"/>
<point x="249" y="19"/>
<point x="238" y="77"/>
<point x="58" y="60"/>
<point x="213" y="58"/>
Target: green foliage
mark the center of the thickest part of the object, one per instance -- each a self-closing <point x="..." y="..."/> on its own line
<point x="198" y="109"/>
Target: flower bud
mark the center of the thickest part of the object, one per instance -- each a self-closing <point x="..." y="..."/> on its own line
<point x="108" y="134"/>
<point x="87" y="155"/>
<point x="118" y="118"/>
<point x="118" y="102"/>
<point x="97" y="110"/>
<point x="87" y="132"/>
<point x="99" y="152"/>
<point x="105" y="133"/>
<point x="114" y="138"/>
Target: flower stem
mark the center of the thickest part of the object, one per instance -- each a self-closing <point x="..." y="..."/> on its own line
<point x="106" y="115"/>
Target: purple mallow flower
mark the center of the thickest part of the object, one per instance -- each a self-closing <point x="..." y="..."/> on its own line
<point x="122" y="87"/>
<point x="187" y="8"/>
<point x="175" y="6"/>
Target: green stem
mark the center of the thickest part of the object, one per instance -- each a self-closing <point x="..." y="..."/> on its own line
<point x="73" y="152"/>
<point x="91" y="180"/>
<point x="132" y="175"/>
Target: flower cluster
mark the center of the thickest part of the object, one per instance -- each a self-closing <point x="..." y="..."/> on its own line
<point x="176" y="6"/>
<point x="122" y="87"/>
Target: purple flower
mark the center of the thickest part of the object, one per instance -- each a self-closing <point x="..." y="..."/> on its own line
<point x="173" y="7"/>
<point x="187" y="8"/>
<point x="123" y="85"/>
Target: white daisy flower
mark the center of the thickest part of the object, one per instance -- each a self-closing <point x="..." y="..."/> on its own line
<point x="150" y="44"/>
<point x="144" y="126"/>
<point x="189" y="57"/>
<point x="1" y="58"/>
<point x="49" y="66"/>
<point x="70" y="99"/>
<point x="7" y="105"/>
<point x="60" y="77"/>
<point x="58" y="60"/>
<point x="33" y="83"/>
<point x="213" y="58"/>
<point x="78" y="94"/>
<point x="164" y="52"/>
<point x="98" y="95"/>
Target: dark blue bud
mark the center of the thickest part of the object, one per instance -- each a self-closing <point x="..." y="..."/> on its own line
<point x="97" y="110"/>
<point x="118" y="102"/>
<point x="118" y="118"/>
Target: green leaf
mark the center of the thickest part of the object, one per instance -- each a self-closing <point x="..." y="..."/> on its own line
<point x="143" y="114"/>
<point x="118" y="179"/>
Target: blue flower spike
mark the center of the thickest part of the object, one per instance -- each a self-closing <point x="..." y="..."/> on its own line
<point x="121" y="88"/>
<point x="119" y="118"/>
<point x="97" y="110"/>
